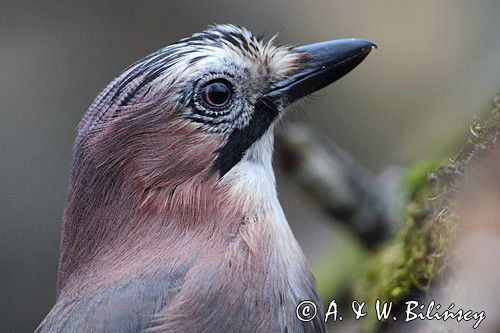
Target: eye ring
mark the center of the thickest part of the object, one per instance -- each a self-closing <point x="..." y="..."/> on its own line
<point x="215" y="94"/>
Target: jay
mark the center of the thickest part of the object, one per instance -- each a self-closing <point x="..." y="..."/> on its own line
<point x="172" y="221"/>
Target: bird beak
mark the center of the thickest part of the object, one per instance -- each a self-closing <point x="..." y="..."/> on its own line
<point x="328" y="62"/>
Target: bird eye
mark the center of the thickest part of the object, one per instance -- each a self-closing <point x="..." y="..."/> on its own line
<point x="216" y="93"/>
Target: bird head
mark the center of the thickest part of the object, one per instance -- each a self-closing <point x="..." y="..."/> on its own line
<point x="196" y="107"/>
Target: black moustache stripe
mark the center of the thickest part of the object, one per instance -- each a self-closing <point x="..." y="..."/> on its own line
<point x="240" y="140"/>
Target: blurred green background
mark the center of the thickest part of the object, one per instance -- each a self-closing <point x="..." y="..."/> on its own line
<point x="436" y="67"/>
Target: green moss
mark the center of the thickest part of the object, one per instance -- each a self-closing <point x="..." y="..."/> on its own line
<point x="415" y="178"/>
<point x="419" y="253"/>
<point x="411" y="261"/>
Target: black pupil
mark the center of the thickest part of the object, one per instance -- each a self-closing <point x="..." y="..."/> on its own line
<point x="216" y="93"/>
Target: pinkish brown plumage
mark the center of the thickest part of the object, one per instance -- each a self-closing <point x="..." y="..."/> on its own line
<point x="172" y="221"/>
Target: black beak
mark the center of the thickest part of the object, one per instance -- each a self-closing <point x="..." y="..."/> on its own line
<point x="328" y="62"/>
